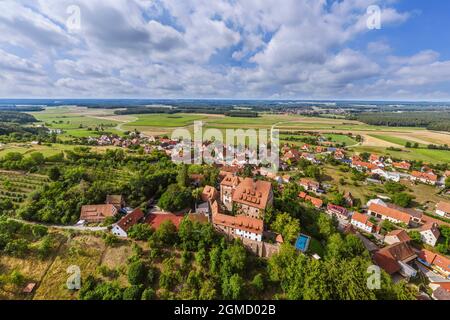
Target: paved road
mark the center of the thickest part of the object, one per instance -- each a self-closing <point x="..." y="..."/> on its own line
<point x="76" y="228"/>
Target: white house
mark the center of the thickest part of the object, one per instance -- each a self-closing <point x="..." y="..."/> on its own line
<point x="429" y="233"/>
<point x="392" y="176"/>
<point x="121" y="228"/>
<point x="361" y="221"/>
<point x="443" y="209"/>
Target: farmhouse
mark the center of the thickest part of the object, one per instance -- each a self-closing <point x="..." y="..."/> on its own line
<point x="443" y="209"/>
<point x="397" y="236"/>
<point x="361" y="221"/>
<point x="121" y="228"/>
<point x="394" y="213"/>
<point x="396" y="258"/>
<point x="429" y="233"/>
<point x="338" y="211"/>
<point x="424" y="177"/>
<point x="97" y="213"/>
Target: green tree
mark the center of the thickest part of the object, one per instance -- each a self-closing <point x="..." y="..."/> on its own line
<point x="287" y="226"/>
<point x="402" y="199"/>
<point x="54" y="174"/>
<point x="175" y="198"/>
<point x="137" y="273"/>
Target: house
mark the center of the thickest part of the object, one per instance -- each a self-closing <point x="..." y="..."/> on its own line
<point x="123" y="225"/>
<point x="291" y="155"/>
<point x="402" y="165"/>
<point x="361" y="221"/>
<point x="447" y="174"/>
<point x="443" y="209"/>
<point x="338" y="211"/>
<point x="339" y="154"/>
<point x="396" y="236"/>
<point x="309" y="185"/>
<point x="435" y="261"/>
<point x="318" y="203"/>
<point x="97" y="213"/>
<point x="155" y="219"/>
<point x="392" y="176"/>
<point x="394" y="213"/>
<point x="429" y="233"/>
<point x="239" y="226"/>
<point x="251" y="197"/>
<point x="424" y="177"/>
<point x="396" y="258"/>
<point x="363" y="166"/>
<point x="116" y="200"/>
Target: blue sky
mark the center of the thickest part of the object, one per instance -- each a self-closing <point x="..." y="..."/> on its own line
<point x="270" y="49"/>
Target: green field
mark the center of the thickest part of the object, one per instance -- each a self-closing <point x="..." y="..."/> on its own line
<point x="396" y="140"/>
<point x="46" y="150"/>
<point x="340" y="138"/>
<point x="426" y="155"/>
<point x="74" y="123"/>
<point x="165" y="120"/>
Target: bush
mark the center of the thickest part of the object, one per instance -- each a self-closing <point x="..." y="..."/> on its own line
<point x="148" y="294"/>
<point x="137" y="273"/>
<point x="132" y="293"/>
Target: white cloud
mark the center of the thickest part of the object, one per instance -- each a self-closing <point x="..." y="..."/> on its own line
<point x="203" y="48"/>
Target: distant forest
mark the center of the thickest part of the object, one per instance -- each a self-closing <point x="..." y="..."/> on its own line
<point x="16" y="117"/>
<point x="225" y="111"/>
<point x="439" y="121"/>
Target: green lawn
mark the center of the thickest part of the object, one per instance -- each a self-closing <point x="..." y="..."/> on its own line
<point x="55" y="148"/>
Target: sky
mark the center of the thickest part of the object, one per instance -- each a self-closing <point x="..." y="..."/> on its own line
<point x="227" y="49"/>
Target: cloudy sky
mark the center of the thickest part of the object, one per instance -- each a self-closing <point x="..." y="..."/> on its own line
<point x="272" y="49"/>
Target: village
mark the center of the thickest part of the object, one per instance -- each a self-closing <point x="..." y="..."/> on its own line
<point x="403" y="241"/>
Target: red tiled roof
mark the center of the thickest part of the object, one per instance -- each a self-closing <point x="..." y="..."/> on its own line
<point x="388" y="257"/>
<point x="318" y="203"/>
<point x="364" y="219"/>
<point x="240" y="222"/>
<point x="390" y="212"/>
<point x="230" y="181"/>
<point x="97" y="212"/>
<point x="209" y="193"/>
<point x="156" y="219"/>
<point x="443" y="206"/>
<point x="367" y="165"/>
<point x="424" y="175"/>
<point x="402" y="235"/>
<point x="253" y="193"/>
<point x="436" y="259"/>
<point x="130" y="219"/>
